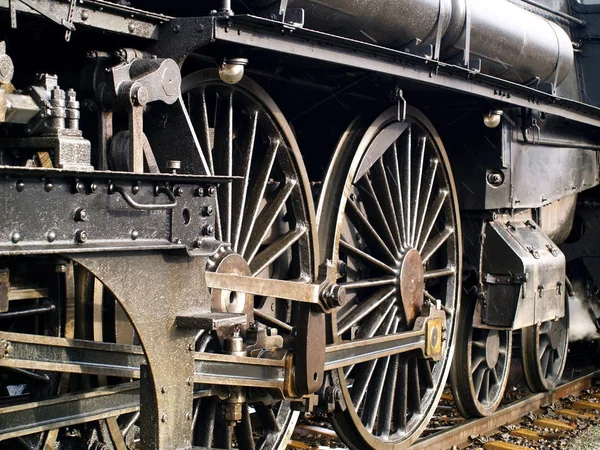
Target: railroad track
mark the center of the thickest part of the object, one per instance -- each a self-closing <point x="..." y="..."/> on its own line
<point x="515" y="419"/>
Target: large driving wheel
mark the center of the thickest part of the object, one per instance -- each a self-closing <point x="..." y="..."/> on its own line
<point x="388" y="220"/>
<point x="544" y="348"/>
<point x="266" y="218"/>
<point x="481" y="365"/>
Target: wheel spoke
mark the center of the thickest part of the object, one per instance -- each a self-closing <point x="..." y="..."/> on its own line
<point x="267" y="217"/>
<point x="401" y="403"/>
<point x="364" y="308"/>
<point x="431" y="217"/>
<point x="393" y="172"/>
<point x="426" y="373"/>
<point x="375" y="320"/>
<point x="417" y="188"/>
<point x="406" y="176"/>
<point x="384" y="193"/>
<point x="369" y="283"/>
<point x="257" y="192"/>
<point x="375" y="213"/>
<point x="371" y="410"/>
<point x="477" y="363"/>
<point x="362" y="380"/>
<point x="414" y="387"/>
<point x="243" y="185"/>
<point x="439" y="273"/>
<point x="200" y="123"/>
<point x="367" y="232"/>
<point x="478" y="381"/>
<point x="270" y="254"/>
<point x="424" y="204"/>
<point x="223" y="154"/>
<point x="204" y="432"/>
<point x="384" y="424"/>
<point x="356" y="253"/>
<point x="433" y="245"/>
<point x="267" y="417"/>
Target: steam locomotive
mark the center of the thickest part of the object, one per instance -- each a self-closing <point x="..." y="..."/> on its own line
<point x="217" y="216"/>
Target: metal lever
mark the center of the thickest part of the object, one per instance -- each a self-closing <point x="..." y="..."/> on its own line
<point x="135" y="205"/>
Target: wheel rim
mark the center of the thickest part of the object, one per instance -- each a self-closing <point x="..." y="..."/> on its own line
<point x="544" y="347"/>
<point x="481" y="366"/>
<point x="266" y="217"/>
<point x="83" y="310"/>
<point x="393" y="263"/>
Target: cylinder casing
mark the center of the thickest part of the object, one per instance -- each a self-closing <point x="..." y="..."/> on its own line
<point x="512" y="43"/>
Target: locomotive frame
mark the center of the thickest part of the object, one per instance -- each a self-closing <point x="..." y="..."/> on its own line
<point x="129" y="230"/>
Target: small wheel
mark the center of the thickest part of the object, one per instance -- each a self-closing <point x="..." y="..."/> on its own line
<point x="389" y="221"/>
<point x="481" y="365"/>
<point x="265" y="218"/>
<point x="544" y="349"/>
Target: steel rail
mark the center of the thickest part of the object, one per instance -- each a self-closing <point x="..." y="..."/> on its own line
<point x="459" y="435"/>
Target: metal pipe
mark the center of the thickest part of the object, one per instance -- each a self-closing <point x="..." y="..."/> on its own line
<point x="567" y="17"/>
<point x="512" y="42"/>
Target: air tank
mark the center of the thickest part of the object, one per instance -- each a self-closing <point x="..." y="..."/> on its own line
<point x="512" y="43"/>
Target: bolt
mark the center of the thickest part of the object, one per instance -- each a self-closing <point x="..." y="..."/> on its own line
<point x="495" y="178"/>
<point x="199" y="192"/>
<point x="176" y="28"/>
<point x="211" y="191"/>
<point x="191" y="349"/>
<point x="81" y="215"/>
<point x="80" y="187"/>
<point x="15" y="237"/>
<point x="93" y="187"/>
<point x="60" y="268"/>
<point x="334" y="296"/>
<point x="51" y="236"/>
<point x="81" y="236"/>
<point x="48" y="186"/>
<point x="209" y="210"/>
<point x="173" y="165"/>
<point x="178" y="241"/>
<point x="208" y="230"/>
<point x="190" y="381"/>
<point x="134" y="235"/>
<point x="178" y="191"/>
<point x="20" y="186"/>
<point x="189" y="416"/>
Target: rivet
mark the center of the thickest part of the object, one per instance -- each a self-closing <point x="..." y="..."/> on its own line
<point x="20" y="186"/>
<point x="208" y="211"/>
<point x="189" y="416"/>
<point x="199" y="192"/>
<point x="85" y="15"/>
<point x="81" y="236"/>
<point x="135" y="189"/>
<point x="179" y="191"/>
<point x="48" y="186"/>
<point x="163" y="389"/>
<point x="163" y="418"/>
<point x="176" y="28"/>
<point x="93" y="187"/>
<point x="211" y="190"/>
<point x="15" y="237"/>
<point x="80" y="187"/>
<point x="131" y="27"/>
<point x="134" y="235"/>
<point x="190" y="380"/>
<point x="51" y="236"/>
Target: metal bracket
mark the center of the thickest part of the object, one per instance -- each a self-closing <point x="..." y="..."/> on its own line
<point x="67" y="23"/>
<point x="401" y="105"/>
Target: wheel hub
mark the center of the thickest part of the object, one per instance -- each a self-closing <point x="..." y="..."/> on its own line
<point x="226" y="261"/>
<point x="556" y="329"/>
<point x="492" y="348"/>
<point x="411" y="280"/>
